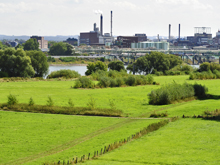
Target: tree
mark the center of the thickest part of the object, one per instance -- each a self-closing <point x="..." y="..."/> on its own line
<point x="16" y="63"/>
<point x="31" y="44"/>
<point x="39" y="63"/>
<point x="116" y="65"/>
<point x="61" y="48"/>
<point x="93" y="67"/>
<point x="2" y="46"/>
<point x="155" y="61"/>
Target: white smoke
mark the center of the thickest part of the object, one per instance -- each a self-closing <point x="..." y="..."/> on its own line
<point x="97" y="11"/>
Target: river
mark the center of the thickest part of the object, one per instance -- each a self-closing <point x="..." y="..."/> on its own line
<point x="80" y="69"/>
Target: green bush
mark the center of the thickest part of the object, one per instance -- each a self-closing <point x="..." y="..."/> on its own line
<point x="50" y="102"/>
<point x="64" y="73"/>
<point x="67" y="59"/>
<point x="200" y="91"/>
<point x="83" y="82"/>
<point x="171" y="92"/>
<point x="12" y="99"/>
<point x="92" y="103"/>
<point x="150" y="79"/>
<point x="120" y="81"/>
<point x="70" y="102"/>
<point x="131" y="81"/>
<point x="104" y="82"/>
<point x="113" y="83"/>
<point x="31" y="102"/>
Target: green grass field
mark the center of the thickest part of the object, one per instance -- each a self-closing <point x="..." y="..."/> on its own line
<point x="28" y="138"/>
<point x="187" y="141"/>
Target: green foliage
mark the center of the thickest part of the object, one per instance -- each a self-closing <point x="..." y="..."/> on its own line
<point x="104" y="82"/>
<point x="116" y="65"/>
<point x="112" y="104"/>
<point x="175" y="92"/>
<point x="39" y="63"/>
<point x="67" y="59"/>
<point x="31" y="102"/>
<point x="131" y="81"/>
<point x="93" y="67"/>
<point x="31" y="44"/>
<point x="205" y="75"/>
<point x="83" y="82"/>
<point x="156" y="115"/>
<point x="61" y="48"/>
<point x="92" y="103"/>
<point x="70" y="103"/>
<point x="50" y="102"/>
<point x="16" y="63"/>
<point x="209" y="66"/>
<point x="12" y="99"/>
<point x="50" y="59"/>
<point x="3" y="74"/>
<point x="155" y="61"/>
<point x="64" y="73"/>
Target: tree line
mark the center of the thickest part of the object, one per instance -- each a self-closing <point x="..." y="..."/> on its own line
<point x="20" y="63"/>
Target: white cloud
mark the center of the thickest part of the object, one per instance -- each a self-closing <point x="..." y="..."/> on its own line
<point x="195" y="4"/>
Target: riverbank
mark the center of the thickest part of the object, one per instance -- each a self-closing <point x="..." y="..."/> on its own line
<point x="66" y="64"/>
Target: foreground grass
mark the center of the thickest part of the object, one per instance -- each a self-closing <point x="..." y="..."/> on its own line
<point x="28" y="138"/>
<point x="187" y="141"/>
<point x="25" y="134"/>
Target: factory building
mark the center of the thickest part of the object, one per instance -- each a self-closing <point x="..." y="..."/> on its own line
<point x="125" y="41"/>
<point x="43" y="44"/>
<point x="202" y="36"/>
<point x="141" y="37"/>
<point x="71" y="41"/>
<point x="151" y="45"/>
<point x="96" y="37"/>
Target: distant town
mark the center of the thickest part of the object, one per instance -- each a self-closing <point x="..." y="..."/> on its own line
<point x="202" y="39"/>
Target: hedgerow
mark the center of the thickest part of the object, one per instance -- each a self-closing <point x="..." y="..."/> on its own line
<point x="175" y="92"/>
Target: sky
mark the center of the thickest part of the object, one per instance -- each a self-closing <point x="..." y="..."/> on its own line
<point x="70" y="17"/>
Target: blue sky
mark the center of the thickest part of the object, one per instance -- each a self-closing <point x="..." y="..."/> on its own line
<point x="70" y="17"/>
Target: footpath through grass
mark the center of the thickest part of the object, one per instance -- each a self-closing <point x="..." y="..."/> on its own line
<point x="187" y="141"/>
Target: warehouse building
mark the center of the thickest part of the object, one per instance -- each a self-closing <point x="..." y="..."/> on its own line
<point x="151" y="45"/>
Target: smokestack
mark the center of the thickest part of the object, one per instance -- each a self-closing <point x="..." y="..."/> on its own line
<point x="179" y="32"/>
<point x="94" y="26"/>
<point x="169" y="31"/>
<point x="111" y="23"/>
<point x="101" y="25"/>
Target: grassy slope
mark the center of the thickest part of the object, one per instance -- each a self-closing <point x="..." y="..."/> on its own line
<point x="26" y="134"/>
<point x="132" y="100"/>
<point x="187" y="141"/>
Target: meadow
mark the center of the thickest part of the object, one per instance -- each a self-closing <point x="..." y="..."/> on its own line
<point x="33" y="138"/>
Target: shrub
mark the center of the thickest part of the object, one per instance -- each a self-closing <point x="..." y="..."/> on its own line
<point x="159" y="73"/>
<point x="64" y="73"/>
<point x="120" y="81"/>
<point x="113" y="83"/>
<point x="83" y="82"/>
<point x="31" y="102"/>
<point x="104" y="82"/>
<point x="171" y="92"/>
<point x="12" y="100"/>
<point x="131" y="81"/>
<point x="200" y="91"/>
<point x="70" y="102"/>
<point x="112" y="104"/>
<point x="150" y="79"/>
<point x="92" y="103"/>
<point x="50" y="102"/>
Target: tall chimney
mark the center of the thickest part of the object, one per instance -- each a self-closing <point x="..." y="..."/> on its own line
<point x="101" y="25"/>
<point x="169" y="31"/>
<point x="111" y="23"/>
<point x="94" y="26"/>
<point x="179" y="32"/>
